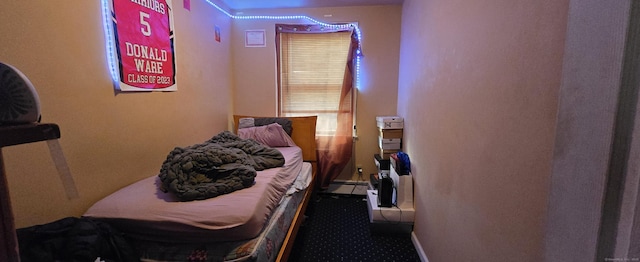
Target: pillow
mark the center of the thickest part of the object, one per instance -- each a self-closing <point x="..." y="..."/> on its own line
<point x="284" y="122"/>
<point x="246" y="122"/>
<point x="272" y="135"/>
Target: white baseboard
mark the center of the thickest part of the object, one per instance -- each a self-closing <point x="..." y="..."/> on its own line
<point x="418" y="247"/>
<point x="348" y="187"/>
<point x="349" y="182"/>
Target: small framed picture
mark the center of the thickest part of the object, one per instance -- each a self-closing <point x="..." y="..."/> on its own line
<point x="255" y="38"/>
<point x="186" y="4"/>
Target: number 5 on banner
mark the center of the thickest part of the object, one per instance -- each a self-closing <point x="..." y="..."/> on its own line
<point x="146" y="28"/>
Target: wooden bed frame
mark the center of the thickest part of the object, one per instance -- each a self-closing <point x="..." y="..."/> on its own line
<point x="304" y="135"/>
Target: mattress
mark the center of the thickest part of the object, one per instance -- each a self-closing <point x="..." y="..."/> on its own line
<point x="143" y="211"/>
<point x="264" y="247"/>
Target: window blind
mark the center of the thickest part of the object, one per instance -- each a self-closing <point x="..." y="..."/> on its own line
<point x="312" y="70"/>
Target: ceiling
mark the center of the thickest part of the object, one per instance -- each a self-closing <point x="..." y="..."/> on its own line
<point x="262" y="4"/>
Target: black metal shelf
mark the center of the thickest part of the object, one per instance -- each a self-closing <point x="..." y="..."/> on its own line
<point x="12" y="135"/>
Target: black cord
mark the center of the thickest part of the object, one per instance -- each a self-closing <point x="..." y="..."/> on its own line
<point x="392" y="222"/>
<point x="360" y="179"/>
<point x="395" y="205"/>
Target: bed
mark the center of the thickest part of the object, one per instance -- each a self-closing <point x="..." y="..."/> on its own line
<point x="258" y="222"/>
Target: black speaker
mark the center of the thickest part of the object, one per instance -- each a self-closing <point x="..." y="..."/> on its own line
<point x="385" y="192"/>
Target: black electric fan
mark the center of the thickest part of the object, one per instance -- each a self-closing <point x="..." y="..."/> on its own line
<point x="19" y="102"/>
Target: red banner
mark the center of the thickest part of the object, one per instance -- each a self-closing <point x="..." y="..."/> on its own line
<point x="144" y="38"/>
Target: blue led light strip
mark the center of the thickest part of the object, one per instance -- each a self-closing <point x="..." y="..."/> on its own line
<point x="298" y="17"/>
<point x="285" y="17"/>
<point x="108" y="35"/>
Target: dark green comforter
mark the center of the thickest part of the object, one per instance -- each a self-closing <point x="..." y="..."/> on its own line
<point x="220" y="165"/>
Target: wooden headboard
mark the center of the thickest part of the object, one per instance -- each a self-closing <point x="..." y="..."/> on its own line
<point x="303" y="133"/>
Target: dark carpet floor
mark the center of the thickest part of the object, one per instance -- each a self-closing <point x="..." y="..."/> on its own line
<point x="337" y="229"/>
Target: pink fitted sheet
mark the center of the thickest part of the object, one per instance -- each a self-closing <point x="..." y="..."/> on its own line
<point x="142" y="210"/>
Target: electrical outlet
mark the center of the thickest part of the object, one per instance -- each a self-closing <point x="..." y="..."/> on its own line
<point x="359" y="169"/>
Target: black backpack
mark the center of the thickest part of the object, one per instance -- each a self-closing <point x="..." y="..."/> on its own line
<point x="74" y="239"/>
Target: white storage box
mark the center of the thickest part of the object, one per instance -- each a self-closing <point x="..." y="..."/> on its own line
<point x="389" y="143"/>
<point x="394" y="215"/>
<point x="390" y="133"/>
<point x="390" y="122"/>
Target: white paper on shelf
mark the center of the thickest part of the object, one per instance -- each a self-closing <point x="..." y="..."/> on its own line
<point x="63" y="169"/>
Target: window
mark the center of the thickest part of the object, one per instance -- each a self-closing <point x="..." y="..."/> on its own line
<point x="312" y="75"/>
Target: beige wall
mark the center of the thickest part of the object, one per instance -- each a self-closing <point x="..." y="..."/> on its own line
<point x="479" y="86"/>
<point x="109" y="139"/>
<point x="255" y="68"/>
